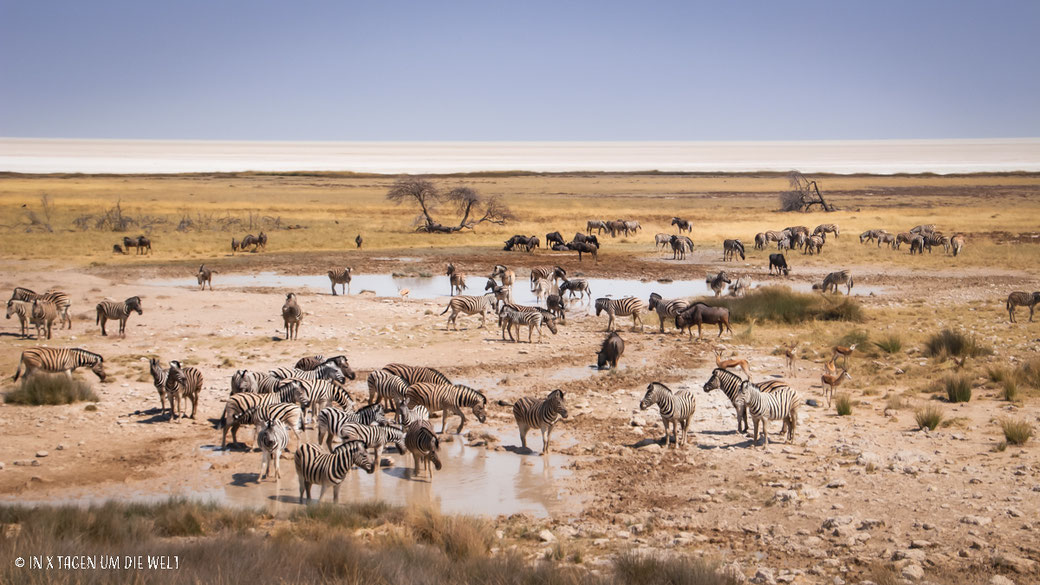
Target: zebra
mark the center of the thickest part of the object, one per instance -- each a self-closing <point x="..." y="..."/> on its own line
<point x="316" y="467"/>
<point x="541" y="414"/>
<point x="505" y="275"/>
<point x="780" y="404"/>
<point x="542" y="288"/>
<point x="730" y="248"/>
<point x="247" y="381"/>
<point x="510" y="316"/>
<point x="292" y="315"/>
<point x="887" y="238"/>
<point x="446" y="397"/>
<point x="382" y="385"/>
<point x="316" y="394"/>
<point x="731" y="385"/>
<point x="680" y="246"/>
<point x="312" y="362"/>
<point x="623" y="307"/>
<point x="576" y="285"/>
<point x="288" y="414"/>
<point x="60" y="299"/>
<point x="234" y="245"/>
<point x="1021" y="299"/>
<point x="632" y="225"/>
<point x="666" y="308"/>
<point x="375" y="437"/>
<point x="272" y="439"/>
<point x="182" y="381"/>
<point x="340" y="277"/>
<point x="596" y="224"/>
<point x="43" y="315"/>
<point x="469" y="305"/>
<point x="784" y="243"/>
<point x="741" y="287"/>
<point x="682" y="224"/>
<point x="326" y="371"/>
<point x="557" y="307"/>
<point x="159" y="377"/>
<point x="676" y="409"/>
<point x="417" y="374"/>
<point x="957" y="243"/>
<point x="553" y="273"/>
<point x="923" y="229"/>
<point x="814" y="245"/>
<point x="871" y="235"/>
<point x="826" y="228"/>
<point x="205" y="275"/>
<point x="235" y="406"/>
<point x="422" y="443"/>
<point x="902" y="238"/>
<point x="456" y="280"/>
<point x="937" y="239"/>
<point x="332" y="421"/>
<point x="115" y="310"/>
<point x="917" y="244"/>
<point x="760" y="241"/>
<point x="24" y="311"/>
<point x="60" y="359"/>
<point x="773" y="236"/>
<point x="716" y="282"/>
<point x="662" y="240"/>
<point x="834" y="279"/>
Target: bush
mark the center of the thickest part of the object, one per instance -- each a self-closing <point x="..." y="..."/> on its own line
<point x="1010" y="387"/>
<point x="1017" y="432"/>
<point x="843" y="403"/>
<point x="1029" y="373"/>
<point x="782" y="305"/>
<point x="353" y="515"/>
<point x="50" y="389"/>
<point x="928" y="417"/>
<point x="890" y="344"/>
<point x="958" y="388"/>
<point x="949" y="343"/>
<point x="634" y="569"/>
<point x="460" y="537"/>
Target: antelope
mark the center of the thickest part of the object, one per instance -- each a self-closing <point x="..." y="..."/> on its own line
<point x="845" y="352"/>
<point x="831" y="381"/>
<point x="732" y="363"/>
<point x="789" y="354"/>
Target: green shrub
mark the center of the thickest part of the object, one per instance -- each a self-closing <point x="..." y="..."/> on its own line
<point x="843" y="404"/>
<point x="958" y="388"/>
<point x="1017" y="432"/>
<point x="890" y="344"/>
<point x="949" y="342"/>
<point x="42" y="388"/>
<point x="928" y="417"/>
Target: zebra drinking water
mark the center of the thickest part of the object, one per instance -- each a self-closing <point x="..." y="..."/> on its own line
<point x="313" y="466"/>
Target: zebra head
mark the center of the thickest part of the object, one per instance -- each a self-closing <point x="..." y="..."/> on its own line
<point x="359" y="456"/>
<point x="601" y="304"/>
<point x="555" y="398"/>
<point x="655" y="299"/>
<point x="480" y="407"/>
<point x="99" y="368"/>
<point x="713" y="383"/>
<point x="559" y="272"/>
<point x="653" y="390"/>
<point x="549" y="320"/>
<point x="134" y="304"/>
<point x="342" y="365"/>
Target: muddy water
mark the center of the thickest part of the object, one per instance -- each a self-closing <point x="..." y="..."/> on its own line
<point x="387" y="285"/>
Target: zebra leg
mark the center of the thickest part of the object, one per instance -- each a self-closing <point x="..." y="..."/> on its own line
<point x="194" y="404"/>
<point x="321" y="494"/>
<point x="444" y="420"/>
<point x="523" y="435"/>
<point x="304" y="488"/>
<point x="636" y="319"/>
<point x="277" y="454"/>
<point x="376" y="453"/>
<point x="483" y="319"/>
<point x="335" y="493"/>
<point x="103" y="319"/>
<point x="415" y="458"/>
<point x="265" y="466"/>
<point x="461" y="422"/>
<point x="546" y="435"/>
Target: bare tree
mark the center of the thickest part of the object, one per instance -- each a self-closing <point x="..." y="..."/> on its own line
<point x="803" y="195"/>
<point x="472" y="207"/>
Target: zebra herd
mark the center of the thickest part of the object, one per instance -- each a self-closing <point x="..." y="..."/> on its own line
<point x="42" y="310"/>
<point x="919" y="238"/>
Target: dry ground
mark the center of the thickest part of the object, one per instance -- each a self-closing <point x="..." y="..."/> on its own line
<point x="859" y="497"/>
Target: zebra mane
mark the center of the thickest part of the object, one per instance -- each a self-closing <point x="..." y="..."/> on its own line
<point x="658" y="385"/>
<point x="99" y="357"/>
<point x="23" y="290"/>
<point x="556" y="392"/>
<point x="473" y="390"/>
<point x="728" y="374"/>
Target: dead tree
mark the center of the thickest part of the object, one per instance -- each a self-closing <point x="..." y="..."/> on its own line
<point x="472" y="207"/>
<point x="804" y="194"/>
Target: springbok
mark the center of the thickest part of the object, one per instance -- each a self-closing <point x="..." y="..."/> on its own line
<point x="831" y="381"/>
<point x="732" y="363"/>
<point x="845" y="352"/>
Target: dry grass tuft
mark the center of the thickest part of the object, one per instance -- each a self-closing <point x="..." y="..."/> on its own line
<point x="41" y="388"/>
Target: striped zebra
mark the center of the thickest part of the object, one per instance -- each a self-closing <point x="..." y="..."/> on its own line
<point x="43" y="315"/>
<point x="773" y="236"/>
<point x="205" y="275"/>
<point x="957" y="244"/>
<point x="159" y="377"/>
<point x="310" y="362"/>
<point x="417" y="374"/>
<point x="341" y="277"/>
<point x="628" y="306"/>
<point x="469" y="305"/>
<point x="936" y="239"/>
<point x="59" y="359"/>
<point x="923" y="229"/>
<point x="676" y="409"/>
<point x="826" y="228"/>
<point x="183" y="382"/>
<point x="731" y="385"/>
<point x="780" y="404"/>
<point x="553" y="273"/>
<point x="717" y="283"/>
<point x="382" y="385"/>
<point x="421" y="441"/>
<point x="730" y="249"/>
<point x="333" y="421"/>
<point x="1021" y="299"/>
<point x="446" y="397"/>
<point x="596" y="224"/>
<point x="288" y="414"/>
<point x="257" y="382"/>
<point x="538" y="413"/>
<point x="666" y="309"/>
<point x="292" y="315"/>
<point x="61" y="301"/>
<point x="326" y="371"/>
<point x="681" y="245"/>
<point x="662" y="241"/>
<point x="887" y="238"/>
<point x="456" y="280"/>
<point x="320" y="393"/>
<point x="814" y="245"/>
<point x="272" y="439"/>
<point x="510" y="317"/>
<point x="871" y="235"/>
<point x="902" y="238"/>
<point x="115" y="310"/>
<point x="376" y="437"/>
<point x="313" y="466"/>
<point x="578" y="286"/>
<point x="835" y="279"/>
<point x="24" y="311"/>
<point x="236" y="405"/>
<point x="760" y="241"/>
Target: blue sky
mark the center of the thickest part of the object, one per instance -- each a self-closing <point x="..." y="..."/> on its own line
<point x="529" y="70"/>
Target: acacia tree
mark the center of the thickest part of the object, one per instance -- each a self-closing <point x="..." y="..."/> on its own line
<point x="803" y="194"/>
<point x="472" y="207"/>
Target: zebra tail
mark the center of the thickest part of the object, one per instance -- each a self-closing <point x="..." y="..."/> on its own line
<point x="851" y="283"/>
<point x="446" y="308"/>
<point x="504" y="403"/>
<point x="18" y="372"/>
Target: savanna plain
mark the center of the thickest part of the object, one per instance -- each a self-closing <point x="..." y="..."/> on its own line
<point x="922" y="469"/>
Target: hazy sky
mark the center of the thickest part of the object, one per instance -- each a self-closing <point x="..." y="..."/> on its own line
<point x="519" y="70"/>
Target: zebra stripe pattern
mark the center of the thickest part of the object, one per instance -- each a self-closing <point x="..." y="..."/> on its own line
<point x="60" y="359"/>
<point x="382" y="385"/>
<point x="313" y="466"/>
<point x="43" y="315"/>
<point x="676" y="409"/>
<point x="470" y="305"/>
<point x="445" y="397"/>
<point x="541" y="414"/>
<point x="423" y="444"/>
<point x="578" y="286"/>
<point x="417" y="374"/>
<point x="510" y="317"/>
<point x="235" y="406"/>
<point x="326" y="371"/>
<point x="340" y="277"/>
<point x="292" y="316"/>
<point x="826" y="228"/>
<point x="621" y="308"/>
<point x="333" y="421"/>
<point x="59" y="298"/>
<point x="730" y="384"/>
<point x="666" y="309"/>
<point x="205" y="275"/>
<point x="288" y="414"/>
<point x="115" y="310"/>
<point x="375" y="437"/>
<point x="272" y="439"/>
<point x="24" y="311"/>
<point x="780" y="404"/>
<point x="315" y="361"/>
<point x="548" y="273"/>
<point x="834" y="279"/>
<point x="159" y="377"/>
<point x="182" y="382"/>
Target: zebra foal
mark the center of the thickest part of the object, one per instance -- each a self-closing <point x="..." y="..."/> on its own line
<point x="272" y="439"/>
<point x="469" y="305"/>
<point x="115" y="310"/>
<point x="541" y="414"/>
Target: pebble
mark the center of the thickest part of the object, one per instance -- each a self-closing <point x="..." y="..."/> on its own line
<point x="912" y="572"/>
<point x="42" y="453"/>
<point x="546" y="536"/>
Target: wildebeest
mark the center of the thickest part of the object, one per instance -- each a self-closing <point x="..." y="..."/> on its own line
<point x="611" y="351"/>
<point x="144" y="245"/>
<point x="701" y="314"/>
<point x="780" y="263"/>
<point x="117" y="249"/>
<point x="553" y="238"/>
<point x="250" y="240"/>
<point x="532" y="243"/>
<point x="561" y="247"/>
<point x="682" y="224"/>
<point x="680" y="246"/>
<point x="129" y="242"/>
<point x="359" y="240"/>
<point x="716" y="282"/>
<point x="730" y="248"/>
<point x="557" y="306"/>
<point x="585" y="248"/>
<point x="1022" y="299"/>
<point x="234" y="245"/>
<point x="514" y="242"/>
<point x="580" y="237"/>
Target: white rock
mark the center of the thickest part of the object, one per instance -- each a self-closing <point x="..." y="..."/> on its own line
<point x="546" y="536"/>
<point x="912" y="572"/>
